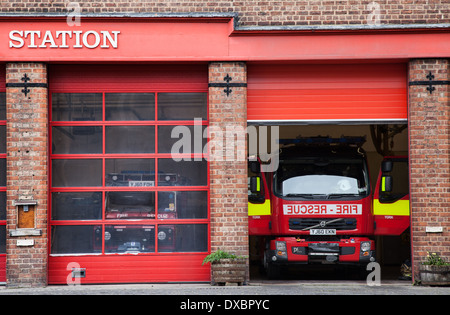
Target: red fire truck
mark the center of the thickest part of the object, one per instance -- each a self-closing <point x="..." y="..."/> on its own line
<point x="318" y="206"/>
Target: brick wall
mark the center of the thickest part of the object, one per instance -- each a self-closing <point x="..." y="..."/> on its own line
<point x="228" y="168"/>
<point x="26" y="173"/>
<point x="429" y="128"/>
<point x="263" y="13"/>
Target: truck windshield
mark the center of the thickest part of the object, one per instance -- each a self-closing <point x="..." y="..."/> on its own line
<point x="322" y="178"/>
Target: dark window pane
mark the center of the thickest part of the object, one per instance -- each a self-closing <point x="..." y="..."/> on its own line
<point x="181" y="139"/>
<point x="2" y="106"/>
<point x="183" y="204"/>
<point x="130" y="205"/>
<point x="2" y="239"/>
<point x="2" y="205"/>
<point x="182" y="106"/>
<point x="183" y="238"/>
<point x="183" y="173"/>
<point x="400" y="182"/>
<point x="129" y="106"/>
<point x="77" y="173"/>
<point x="76" y="205"/>
<point x="76" y="239"/>
<point x="2" y="139"/>
<point x="130" y="172"/>
<point x="77" y="106"/>
<point x="77" y="139"/>
<point x="130" y="139"/>
<point x="129" y="238"/>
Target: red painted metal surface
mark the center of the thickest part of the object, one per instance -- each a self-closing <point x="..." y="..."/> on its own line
<point x="91" y="78"/>
<point x="138" y="40"/>
<point x="3" y="156"/>
<point x="364" y="225"/>
<point x="391" y="223"/>
<point x="205" y="39"/>
<point x="117" y="268"/>
<point x="336" y="45"/>
<point x="104" y="267"/>
<point x="2" y="268"/>
<point x="395" y="225"/>
<point x="327" y="92"/>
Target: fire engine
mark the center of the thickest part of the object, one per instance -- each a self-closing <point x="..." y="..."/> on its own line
<point x="139" y="205"/>
<point x="138" y="238"/>
<point x="318" y="206"/>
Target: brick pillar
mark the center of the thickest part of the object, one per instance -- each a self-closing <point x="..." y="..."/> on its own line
<point x="429" y="129"/>
<point x="228" y="166"/>
<point x="27" y="128"/>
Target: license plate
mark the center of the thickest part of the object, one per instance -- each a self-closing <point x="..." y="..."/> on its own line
<point x="141" y="183"/>
<point x="322" y="232"/>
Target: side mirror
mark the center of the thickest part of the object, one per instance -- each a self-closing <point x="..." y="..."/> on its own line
<point x="386" y="184"/>
<point x="386" y="166"/>
<point x="255" y="167"/>
<point x="255" y="184"/>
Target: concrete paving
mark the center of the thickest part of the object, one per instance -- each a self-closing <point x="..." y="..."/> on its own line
<point x="254" y="288"/>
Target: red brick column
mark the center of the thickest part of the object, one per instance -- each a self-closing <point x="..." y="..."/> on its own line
<point x="27" y="153"/>
<point x="228" y="166"/>
<point x="429" y="129"/>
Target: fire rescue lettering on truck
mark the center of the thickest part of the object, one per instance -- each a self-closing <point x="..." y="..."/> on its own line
<point x="322" y="209"/>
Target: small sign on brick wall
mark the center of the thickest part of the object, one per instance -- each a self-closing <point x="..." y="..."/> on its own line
<point x="434" y="229"/>
<point x="25" y="243"/>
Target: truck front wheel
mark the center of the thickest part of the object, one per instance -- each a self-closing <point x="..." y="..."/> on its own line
<point x="273" y="271"/>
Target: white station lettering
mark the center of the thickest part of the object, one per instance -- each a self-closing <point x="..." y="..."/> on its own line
<point x="63" y="39"/>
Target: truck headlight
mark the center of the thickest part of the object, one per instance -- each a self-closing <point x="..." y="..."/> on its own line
<point x="365" y="246"/>
<point x="281" y="249"/>
<point x="280" y="245"/>
<point x="162" y="236"/>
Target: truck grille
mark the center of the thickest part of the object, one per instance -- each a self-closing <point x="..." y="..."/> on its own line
<point x="303" y="223"/>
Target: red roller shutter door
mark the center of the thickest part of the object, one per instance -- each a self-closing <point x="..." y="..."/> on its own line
<point x="3" y="180"/>
<point x="126" y="224"/>
<point x="327" y="93"/>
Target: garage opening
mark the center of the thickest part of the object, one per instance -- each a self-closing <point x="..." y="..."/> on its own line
<point x="334" y="101"/>
<point x="392" y="251"/>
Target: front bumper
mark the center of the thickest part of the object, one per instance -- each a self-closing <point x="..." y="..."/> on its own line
<point x="306" y="252"/>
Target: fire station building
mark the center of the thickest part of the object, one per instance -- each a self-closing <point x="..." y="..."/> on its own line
<point x="89" y="110"/>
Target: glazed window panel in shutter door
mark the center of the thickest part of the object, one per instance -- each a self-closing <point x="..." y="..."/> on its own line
<point x="77" y="106"/>
<point x="77" y="139"/>
<point x="130" y="139"/>
<point x="77" y="173"/>
<point x="76" y="239"/>
<point x="186" y="204"/>
<point x="130" y="172"/>
<point x="76" y="205"/>
<point x="182" y="106"/>
<point x="182" y="173"/>
<point x="129" y="106"/>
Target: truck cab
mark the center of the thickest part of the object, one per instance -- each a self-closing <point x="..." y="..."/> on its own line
<point x="318" y="205"/>
<point x="321" y="204"/>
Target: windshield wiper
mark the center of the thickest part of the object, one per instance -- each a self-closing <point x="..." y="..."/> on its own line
<point x="330" y="196"/>
<point x="310" y="196"/>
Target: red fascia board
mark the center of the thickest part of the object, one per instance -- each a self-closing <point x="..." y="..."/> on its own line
<point x="203" y="39"/>
<point x="337" y="46"/>
<point x="323" y="30"/>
